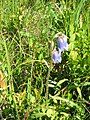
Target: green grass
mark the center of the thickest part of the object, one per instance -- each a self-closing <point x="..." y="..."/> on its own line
<point x="27" y="32"/>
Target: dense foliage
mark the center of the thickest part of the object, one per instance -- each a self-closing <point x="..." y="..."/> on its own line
<point x="33" y="87"/>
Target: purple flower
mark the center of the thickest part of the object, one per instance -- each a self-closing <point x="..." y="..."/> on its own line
<point x="56" y="56"/>
<point x="62" y="42"/>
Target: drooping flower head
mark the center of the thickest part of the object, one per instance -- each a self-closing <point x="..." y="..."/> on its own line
<point x="56" y="56"/>
<point x="61" y="41"/>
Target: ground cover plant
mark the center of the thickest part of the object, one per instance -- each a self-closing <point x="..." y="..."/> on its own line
<point x="33" y="85"/>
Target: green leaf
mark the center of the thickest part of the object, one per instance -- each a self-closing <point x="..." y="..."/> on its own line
<point x="30" y="42"/>
<point x="32" y="99"/>
<point x="61" y="81"/>
<point x="79" y="92"/>
<point x="71" y="103"/>
<point x="40" y="57"/>
<point x="86" y="83"/>
<point x="50" y="112"/>
<point x="72" y="38"/>
<point x="37" y="115"/>
<point x="65" y="114"/>
<point x="73" y="55"/>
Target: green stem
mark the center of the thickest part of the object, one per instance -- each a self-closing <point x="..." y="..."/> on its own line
<point x="49" y="68"/>
<point x="47" y="88"/>
<point x="8" y="63"/>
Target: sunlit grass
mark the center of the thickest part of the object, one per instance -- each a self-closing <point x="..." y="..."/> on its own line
<point x="35" y="87"/>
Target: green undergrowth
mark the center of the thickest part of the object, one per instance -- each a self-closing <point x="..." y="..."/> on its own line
<point x="36" y="88"/>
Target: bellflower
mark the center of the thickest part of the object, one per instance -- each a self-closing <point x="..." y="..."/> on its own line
<point x="62" y="42"/>
<point x="56" y="56"/>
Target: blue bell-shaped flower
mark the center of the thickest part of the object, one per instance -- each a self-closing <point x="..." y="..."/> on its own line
<point x="62" y="42"/>
<point x="56" y="56"/>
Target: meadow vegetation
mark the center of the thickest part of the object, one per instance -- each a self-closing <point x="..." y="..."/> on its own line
<point x="32" y="87"/>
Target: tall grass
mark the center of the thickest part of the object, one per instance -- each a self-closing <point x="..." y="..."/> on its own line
<point x="36" y="88"/>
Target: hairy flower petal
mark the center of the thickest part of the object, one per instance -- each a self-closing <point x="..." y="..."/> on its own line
<point x="62" y="42"/>
<point x="56" y="56"/>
